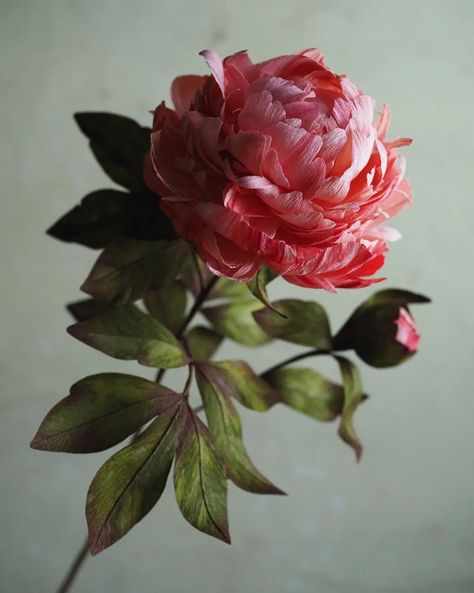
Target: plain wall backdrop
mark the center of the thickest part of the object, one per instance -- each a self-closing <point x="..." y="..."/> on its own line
<point x="402" y="520"/>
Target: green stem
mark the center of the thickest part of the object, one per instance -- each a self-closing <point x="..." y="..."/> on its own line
<point x="296" y="358"/>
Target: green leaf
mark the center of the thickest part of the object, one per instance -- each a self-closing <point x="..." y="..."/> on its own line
<point x="239" y="381"/>
<point x="307" y="391"/>
<point x="127" y="269"/>
<point x="131" y="482"/>
<point x="87" y="308"/>
<point x="352" y="398"/>
<point x="258" y="285"/>
<point x="234" y="320"/>
<point x="303" y="322"/>
<point x="100" y="218"/>
<point x="202" y="342"/>
<point x="225" y="426"/>
<point x="119" y="145"/>
<point x="229" y="289"/>
<point x="100" y="412"/>
<point x="167" y="304"/>
<point x="200" y="480"/>
<point x="195" y="274"/>
<point x="125" y="332"/>
<point x="108" y="215"/>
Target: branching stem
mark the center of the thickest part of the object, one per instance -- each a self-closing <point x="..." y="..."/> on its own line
<point x="83" y="551"/>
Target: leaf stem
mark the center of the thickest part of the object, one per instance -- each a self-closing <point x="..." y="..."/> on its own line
<point x="296" y="358"/>
<point x="83" y="551"/>
<point x="189" y="380"/>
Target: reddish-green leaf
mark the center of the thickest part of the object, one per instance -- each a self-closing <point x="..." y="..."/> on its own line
<point x="239" y="380"/>
<point x="125" y="270"/>
<point x="225" y="426"/>
<point x="229" y="289"/>
<point x="125" y="332"/>
<point x="200" y="480"/>
<point x="202" y="342"/>
<point x="234" y="320"/>
<point x="107" y="215"/>
<point x="307" y="391"/>
<point x="300" y="322"/>
<point x="167" y="304"/>
<point x="119" y="145"/>
<point x="131" y="482"/>
<point x="86" y="309"/>
<point x="100" y="412"/>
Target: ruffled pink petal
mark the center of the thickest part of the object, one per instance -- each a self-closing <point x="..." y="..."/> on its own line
<point x="407" y="332"/>
<point x="216" y="67"/>
<point x="184" y="89"/>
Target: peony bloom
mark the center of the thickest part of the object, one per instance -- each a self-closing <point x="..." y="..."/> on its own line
<point x="407" y="332"/>
<point x="278" y="163"/>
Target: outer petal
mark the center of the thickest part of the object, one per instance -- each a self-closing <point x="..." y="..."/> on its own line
<point x="184" y="89"/>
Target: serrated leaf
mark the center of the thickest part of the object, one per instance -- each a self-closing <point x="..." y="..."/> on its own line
<point x="127" y="269"/>
<point x="131" y="482"/>
<point x="202" y="342"/>
<point x="125" y="332"/>
<point x="107" y="215"/>
<point x="87" y="309"/>
<point x="200" y="480"/>
<point x="225" y="426"/>
<point x="258" y="285"/>
<point x="300" y="322"/>
<point x="308" y="392"/>
<point x="167" y="304"/>
<point x="234" y="320"/>
<point x="100" y="411"/>
<point x="352" y="397"/>
<point x="119" y="145"/>
<point x="240" y="381"/>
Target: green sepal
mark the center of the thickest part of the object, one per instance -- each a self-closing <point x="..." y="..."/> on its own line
<point x="371" y="329"/>
<point x="126" y="333"/>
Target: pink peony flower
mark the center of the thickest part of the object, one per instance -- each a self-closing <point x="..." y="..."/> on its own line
<point x="407" y="332"/>
<point x="278" y="163"/>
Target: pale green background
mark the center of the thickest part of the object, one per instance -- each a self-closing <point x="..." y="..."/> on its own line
<point x="401" y="521"/>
